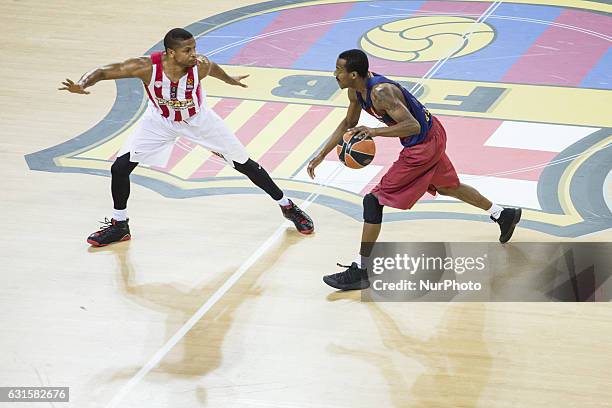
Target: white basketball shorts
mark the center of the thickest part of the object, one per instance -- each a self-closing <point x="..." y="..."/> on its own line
<point x="152" y="141"/>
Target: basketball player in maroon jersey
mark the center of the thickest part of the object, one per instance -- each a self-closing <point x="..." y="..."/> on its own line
<point x="176" y="108"/>
<point x="422" y="164"/>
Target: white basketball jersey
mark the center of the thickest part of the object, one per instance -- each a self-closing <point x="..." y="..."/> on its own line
<point x="176" y="101"/>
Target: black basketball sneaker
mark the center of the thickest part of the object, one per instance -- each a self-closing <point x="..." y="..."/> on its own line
<point x="507" y="221"/>
<point x="352" y="278"/>
<point x="299" y="218"/>
<point x="111" y="231"/>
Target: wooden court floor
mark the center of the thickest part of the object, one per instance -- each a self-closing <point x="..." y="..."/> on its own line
<point x="92" y="319"/>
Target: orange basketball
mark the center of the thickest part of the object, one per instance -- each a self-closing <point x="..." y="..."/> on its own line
<point x="355" y="152"/>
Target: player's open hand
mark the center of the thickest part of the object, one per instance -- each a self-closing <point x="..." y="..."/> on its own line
<point x="73" y="88"/>
<point x="313" y="164"/>
<point x="238" y="80"/>
<point x="361" y="132"/>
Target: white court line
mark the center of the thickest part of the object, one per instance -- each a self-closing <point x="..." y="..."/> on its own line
<point x="161" y="353"/>
<point x="173" y="341"/>
<point x="551" y="163"/>
<point x="436" y="67"/>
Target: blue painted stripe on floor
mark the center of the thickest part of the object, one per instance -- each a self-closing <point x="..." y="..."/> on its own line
<point x="344" y="36"/>
<point x="230" y="34"/>
<point x="512" y="39"/>
<point x="600" y="75"/>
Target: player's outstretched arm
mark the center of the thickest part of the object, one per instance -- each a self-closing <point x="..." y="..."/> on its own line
<point x="352" y="117"/>
<point x="132" y="68"/>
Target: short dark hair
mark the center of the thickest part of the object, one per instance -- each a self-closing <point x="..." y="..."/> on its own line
<point x="175" y="36"/>
<point x="356" y="60"/>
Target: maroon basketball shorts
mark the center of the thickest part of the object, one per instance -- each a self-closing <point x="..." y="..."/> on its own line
<point x="418" y="169"/>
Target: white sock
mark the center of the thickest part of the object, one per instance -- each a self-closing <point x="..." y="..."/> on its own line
<point x="495" y="211"/>
<point x="361" y="261"/>
<point x="283" y="201"/>
<point x="120" y="215"/>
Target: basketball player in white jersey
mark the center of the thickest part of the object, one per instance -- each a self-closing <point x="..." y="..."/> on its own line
<point x="176" y="108"/>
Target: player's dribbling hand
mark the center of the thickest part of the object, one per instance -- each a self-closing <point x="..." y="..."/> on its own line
<point x="73" y="88"/>
<point x="313" y="164"/>
<point x="238" y="80"/>
<point x="361" y="132"/>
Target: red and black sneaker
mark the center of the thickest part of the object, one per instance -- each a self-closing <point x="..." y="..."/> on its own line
<point x="111" y="231"/>
<point x="299" y="218"/>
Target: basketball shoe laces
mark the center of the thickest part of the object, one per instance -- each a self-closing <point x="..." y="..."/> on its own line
<point x="106" y="226"/>
<point x="350" y="275"/>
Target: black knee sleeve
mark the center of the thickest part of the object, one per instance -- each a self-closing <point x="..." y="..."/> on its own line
<point x="372" y="209"/>
<point x="120" y="181"/>
<point x="246" y="168"/>
<point x="260" y="177"/>
<point x="122" y="167"/>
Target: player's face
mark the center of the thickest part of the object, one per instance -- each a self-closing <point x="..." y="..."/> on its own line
<point x="344" y="78"/>
<point x="185" y="53"/>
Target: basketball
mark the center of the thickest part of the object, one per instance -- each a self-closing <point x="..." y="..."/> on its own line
<point x="354" y="152"/>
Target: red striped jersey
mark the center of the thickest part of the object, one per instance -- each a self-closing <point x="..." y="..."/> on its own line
<point x="174" y="100"/>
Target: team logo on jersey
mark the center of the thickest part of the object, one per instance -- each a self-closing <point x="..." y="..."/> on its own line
<point x="158" y="84"/>
<point x="522" y="90"/>
<point x="175" y="103"/>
